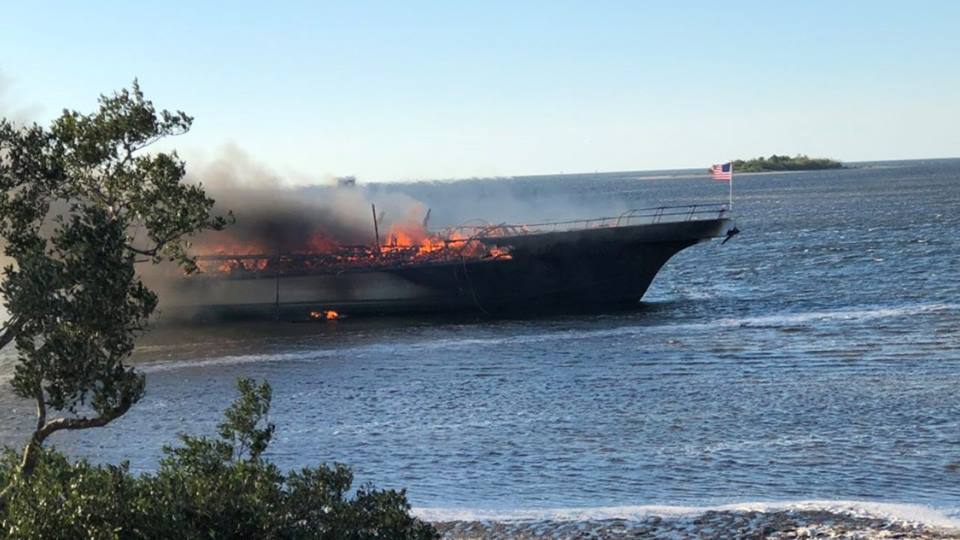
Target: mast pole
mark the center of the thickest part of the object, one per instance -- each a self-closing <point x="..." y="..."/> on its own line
<point x="730" y="189"/>
<point x="376" y="228"/>
<point x="276" y="301"/>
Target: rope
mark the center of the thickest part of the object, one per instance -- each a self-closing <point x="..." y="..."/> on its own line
<point x="473" y="292"/>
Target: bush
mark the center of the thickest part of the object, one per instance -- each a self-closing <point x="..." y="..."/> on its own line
<point x="205" y="488"/>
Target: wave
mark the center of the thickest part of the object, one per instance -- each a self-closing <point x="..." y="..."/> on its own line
<point x="784" y="319"/>
<point x="544" y="336"/>
<point x="895" y="512"/>
<point x="174" y="365"/>
<point x="787" y="319"/>
<point x="854" y="315"/>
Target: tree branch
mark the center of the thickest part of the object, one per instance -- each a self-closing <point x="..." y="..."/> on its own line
<point x="45" y="429"/>
<point x="4" y="495"/>
<point x="41" y="407"/>
<point x="9" y="332"/>
<point x="145" y="252"/>
<point x="82" y="422"/>
<point x="158" y="244"/>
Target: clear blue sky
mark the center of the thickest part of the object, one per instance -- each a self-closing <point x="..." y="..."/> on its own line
<point x="400" y="90"/>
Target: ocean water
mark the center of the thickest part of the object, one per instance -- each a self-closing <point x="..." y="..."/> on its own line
<point x="816" y="356"/>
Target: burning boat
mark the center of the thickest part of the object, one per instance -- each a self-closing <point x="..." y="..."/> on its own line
<point x="598" y="263"/>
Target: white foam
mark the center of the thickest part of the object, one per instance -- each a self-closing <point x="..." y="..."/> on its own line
<point x="233" y="360"/>
<point x="840" y="315"/>
<point x="889" y="511"/>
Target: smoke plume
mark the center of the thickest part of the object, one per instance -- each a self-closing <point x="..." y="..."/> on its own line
<point x="272" y="217"/>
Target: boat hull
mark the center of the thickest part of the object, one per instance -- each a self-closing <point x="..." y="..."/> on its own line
<point x="590" y="269"/>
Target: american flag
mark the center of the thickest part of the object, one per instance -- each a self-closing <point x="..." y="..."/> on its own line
<point x="722" y="172"/>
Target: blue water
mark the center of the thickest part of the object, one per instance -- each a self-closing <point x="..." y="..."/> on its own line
<point x="815" y="356"/>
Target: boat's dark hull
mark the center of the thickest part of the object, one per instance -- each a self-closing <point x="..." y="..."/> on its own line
<point x="584" y="269"/>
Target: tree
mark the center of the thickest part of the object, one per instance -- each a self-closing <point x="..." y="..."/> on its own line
<point x="81" y="203"/>
<point x="214" y="488"/>
<point x="223" y="488"/>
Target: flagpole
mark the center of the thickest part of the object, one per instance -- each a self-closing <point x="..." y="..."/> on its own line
<point x="730" y="192"/>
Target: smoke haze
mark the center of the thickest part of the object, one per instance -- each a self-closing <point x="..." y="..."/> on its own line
<point x="9" y="109"/>
<point x="272" y="217"/>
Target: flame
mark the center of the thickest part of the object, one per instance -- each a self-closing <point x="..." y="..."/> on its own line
<point x="406" y="236"/>
<point x="423" y="244"/>
<point x="325" y="315"/>
<point x="500" y="253"/>
<point x="405" y="242"/>
<point x="234" y="257"/>
<point x="320" y="243"/>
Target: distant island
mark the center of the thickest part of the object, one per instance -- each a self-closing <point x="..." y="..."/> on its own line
<point x="799" y="162"/>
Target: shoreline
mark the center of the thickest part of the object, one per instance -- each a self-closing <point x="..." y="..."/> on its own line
<point x="664" y="173"/>
<point x="802" y="519"/>
<point x="640" y="175"/>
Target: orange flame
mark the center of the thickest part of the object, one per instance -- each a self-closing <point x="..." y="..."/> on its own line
<point x="406" y="242"/>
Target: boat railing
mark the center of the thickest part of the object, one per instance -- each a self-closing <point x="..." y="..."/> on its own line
<point x="636" y="216"/>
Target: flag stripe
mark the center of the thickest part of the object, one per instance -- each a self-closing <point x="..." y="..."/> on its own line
<point x="722" y="172"/>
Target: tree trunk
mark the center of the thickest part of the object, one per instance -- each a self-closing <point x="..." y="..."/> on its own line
<point x="27" y="464"/>
<point x="30" y="455"/>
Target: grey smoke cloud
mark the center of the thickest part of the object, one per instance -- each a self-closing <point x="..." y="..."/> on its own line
<point x="273" y="216"/>
<point x="10" y="109"/>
